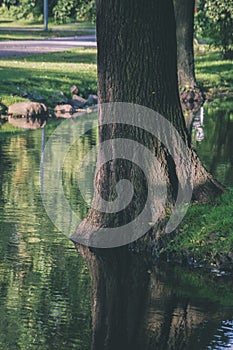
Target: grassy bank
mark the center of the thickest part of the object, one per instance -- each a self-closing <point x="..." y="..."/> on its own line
<point x="56" y="71"/>
<point x="47" y="74"/>
<point x="205" y="236"/>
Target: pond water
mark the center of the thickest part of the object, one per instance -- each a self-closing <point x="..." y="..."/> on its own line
<point x="45" y="289"/>
<point x="213" y="140"/>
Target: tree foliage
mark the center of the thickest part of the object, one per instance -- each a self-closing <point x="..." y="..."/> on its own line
<point x="64" y="10"/>
<point x="9" y="3"/>
<point x="214" y="20"/>
<point x="61" y="11"/>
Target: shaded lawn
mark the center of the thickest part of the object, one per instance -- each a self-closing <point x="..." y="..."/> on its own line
<point x="32" y="29"/>
<point x="7" y="22"/>
<point x="38" y="35"/>
<point x="48" y="73"/>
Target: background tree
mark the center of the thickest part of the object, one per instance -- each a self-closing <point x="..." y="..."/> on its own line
<point x="9" y="3"/>
<point x="60" y="11"/>
<point x="215" y="23"/>
<point x="184" y="14"/>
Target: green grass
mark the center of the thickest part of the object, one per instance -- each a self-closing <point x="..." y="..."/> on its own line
<point x="214" y="73"/>
<point x="48" y="73"/>
<point x="38" y="35"/>
<point x="31" y="30"/>
<point x="7" y="21"/>
<point x="206" y="233"/>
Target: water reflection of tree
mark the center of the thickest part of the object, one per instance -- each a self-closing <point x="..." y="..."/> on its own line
<point x="138" y="307"/>
<point x="44" y="285"/>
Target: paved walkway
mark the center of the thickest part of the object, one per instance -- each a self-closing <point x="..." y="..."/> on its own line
<point x="25" y="47"/>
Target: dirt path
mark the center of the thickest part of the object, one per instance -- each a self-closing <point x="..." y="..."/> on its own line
<point x="26" y="47"/>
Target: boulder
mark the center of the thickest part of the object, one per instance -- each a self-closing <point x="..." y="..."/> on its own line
<point x="66" y="108"/>
<point x="3" y="108"/>
<point x="58" y="97"/>
<point x="77" y="101"/>
<point x="92" y="100"/>
<point x="28" y="109"/>
<point x="74" y="89"/>
<point x="62" y="115"/>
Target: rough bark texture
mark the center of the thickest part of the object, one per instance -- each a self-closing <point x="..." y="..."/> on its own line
<point x="137" y="63"/>
<point x="184" y="14"/>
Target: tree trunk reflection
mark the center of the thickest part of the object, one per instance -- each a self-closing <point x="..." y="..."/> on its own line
<point x="136" y="308"/>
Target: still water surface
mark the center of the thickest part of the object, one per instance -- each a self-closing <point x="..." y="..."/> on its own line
<point x="45" y="289"/>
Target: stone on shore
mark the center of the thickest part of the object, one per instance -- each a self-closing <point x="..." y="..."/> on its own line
<point x="77" y="101"/>
<point x="28" y="109"/>
<point x="66" y="108"/>
<point x="3" y="109"/>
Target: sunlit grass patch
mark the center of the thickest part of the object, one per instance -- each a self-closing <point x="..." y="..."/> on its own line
<point x="48" y="73"/>
<point x="213" y="72"/>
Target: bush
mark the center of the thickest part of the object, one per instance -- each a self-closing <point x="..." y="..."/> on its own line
<point x="65" y="10"/>
<point x="87" y="10"/>
<point x="62" y="11"/>
<point x="9" y="3"/>
<point x="214" y="20"/>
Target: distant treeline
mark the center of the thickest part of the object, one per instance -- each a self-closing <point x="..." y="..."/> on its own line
<point x="61" y="11"/>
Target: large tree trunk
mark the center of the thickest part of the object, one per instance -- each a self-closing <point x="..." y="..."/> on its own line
<point x="137" y="63"/>
<point x="184" y="14"/>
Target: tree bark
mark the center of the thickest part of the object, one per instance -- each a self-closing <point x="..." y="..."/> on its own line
<point x="184" y="14"/>
<point x="137" y="63"/>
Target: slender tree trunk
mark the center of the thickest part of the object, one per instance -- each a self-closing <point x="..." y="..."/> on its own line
<point x="184" y="14"/>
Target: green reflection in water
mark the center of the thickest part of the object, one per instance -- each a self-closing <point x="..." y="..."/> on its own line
<point x="216" y="149"/>
<point x="45" y="291"/>
<point x="44" y="283"/>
